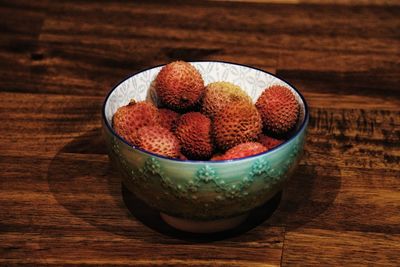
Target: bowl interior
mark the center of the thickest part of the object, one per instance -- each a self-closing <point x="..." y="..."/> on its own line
<point x="251" y="80"/>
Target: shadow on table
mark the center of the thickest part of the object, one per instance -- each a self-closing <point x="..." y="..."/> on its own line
<point x="305" y="198"/>
<point x="82" y="181"/>
<point x="151" y="218"/>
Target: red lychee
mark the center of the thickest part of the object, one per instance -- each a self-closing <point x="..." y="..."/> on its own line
<point x="168" y="118"/>
<point x="158" y="140"/>
<point x="217" y="156"/>
<point x="279" y="109"/>
<point x="128" y="119"/>
<point x="193" y="130"/>
<point x="179" y="85"/>
<point x="236" y="124"/>
<point x="269" y="142"/>
<point x="243" y="150"/>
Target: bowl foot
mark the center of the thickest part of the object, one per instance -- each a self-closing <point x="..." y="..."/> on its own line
<point x="203" y="227"/>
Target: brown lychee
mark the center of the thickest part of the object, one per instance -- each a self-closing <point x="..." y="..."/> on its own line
<point x="218" y="95"/>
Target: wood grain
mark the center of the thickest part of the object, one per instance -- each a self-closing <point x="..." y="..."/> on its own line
<point x="62" y="202"/>
<point x="310" y="247"/>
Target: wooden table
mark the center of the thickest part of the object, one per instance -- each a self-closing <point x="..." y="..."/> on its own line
<point x="61" y="203"/>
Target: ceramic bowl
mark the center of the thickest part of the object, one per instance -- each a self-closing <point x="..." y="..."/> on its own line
<point x="203" y="196"/>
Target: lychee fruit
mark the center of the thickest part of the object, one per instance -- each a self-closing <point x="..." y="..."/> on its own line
<point x="182" y="157"/>
<point x="168" y="118"/>
<point x="279" y="109"/>
<point x="179" y="85"/>
<point x="217" y="156"/>
<point x="193" y="130"/>
<point x="236" y="124"/>
<point x="158" y="140"/>
<point x="269" y="142"/>
<point x="218" y="95"/>
<point x="128" y="119"/>
<point x="243" y="150"/>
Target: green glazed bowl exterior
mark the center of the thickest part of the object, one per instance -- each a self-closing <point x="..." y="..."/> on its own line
<point x="202" y="190"/>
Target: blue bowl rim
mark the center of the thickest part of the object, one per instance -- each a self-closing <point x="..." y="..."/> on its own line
<point x="300" y="130"/>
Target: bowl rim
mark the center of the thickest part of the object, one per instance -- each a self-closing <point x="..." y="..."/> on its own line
<point x="295" y="134"/>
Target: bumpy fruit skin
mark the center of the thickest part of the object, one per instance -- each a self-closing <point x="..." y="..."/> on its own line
<point x="243" y="150"/>
<point x="237" y="124"/>
<point x="128" y="119"/>
<point x="217" y="156"/>
<point x="168" y="118"/>
<point x="218" y="95"/>
<point x="279" y="109"/>
<point x="269" y="142"/>
<point x="193" y="130"/>
<point x="158" y="140"/>
<point x="179" y="86"/>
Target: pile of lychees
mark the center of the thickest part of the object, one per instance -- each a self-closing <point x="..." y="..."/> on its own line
<point x="214" y="122"/>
